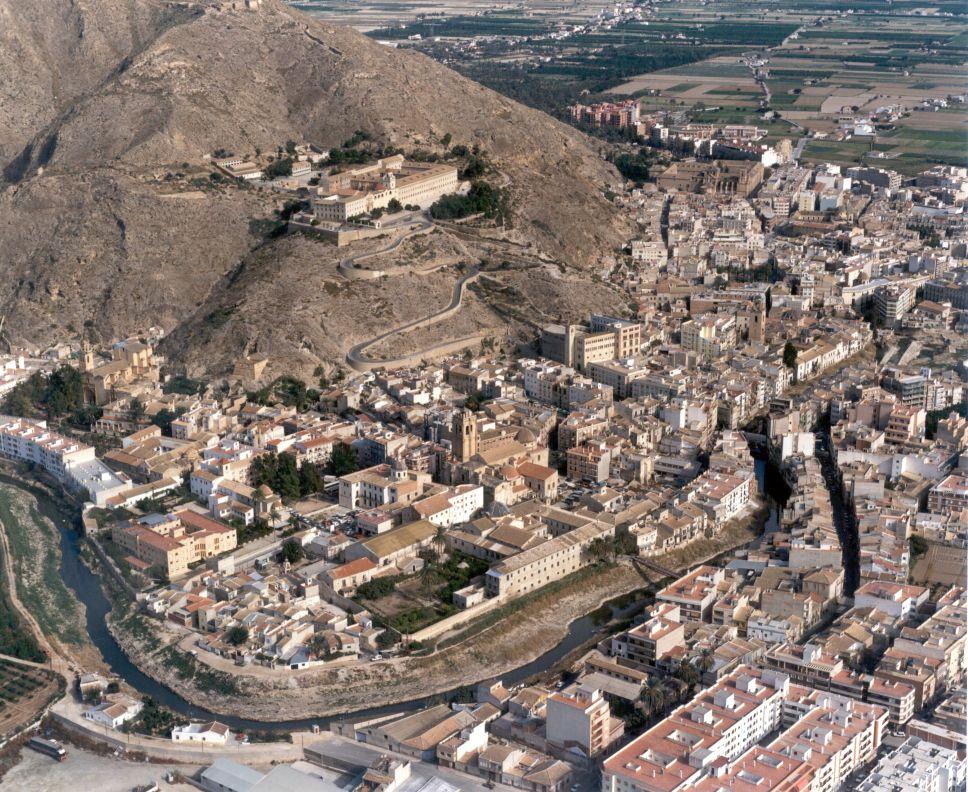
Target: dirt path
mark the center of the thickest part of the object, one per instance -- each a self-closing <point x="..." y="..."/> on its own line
<point x="360" y="361"/>
<point x="58" y="662"/>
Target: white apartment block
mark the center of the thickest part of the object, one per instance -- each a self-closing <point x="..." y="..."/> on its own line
<point x="31" y="441"/>
<point x="66" y="459"/>
<point x="917" y="766"/>
<point x="712" y="742"/>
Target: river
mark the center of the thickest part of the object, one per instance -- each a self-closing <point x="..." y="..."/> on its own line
<point x="87" y="588"/>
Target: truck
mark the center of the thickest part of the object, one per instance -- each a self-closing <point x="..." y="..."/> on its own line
<point x="50" y="747"/>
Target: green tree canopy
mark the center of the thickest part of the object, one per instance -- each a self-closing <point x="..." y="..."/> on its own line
<point x="789" y="355"/>
<point x="292" y="551"/>
<point x="342" y="461"/>
<point x="237" y="635"/>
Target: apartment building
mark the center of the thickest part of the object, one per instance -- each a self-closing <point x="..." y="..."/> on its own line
<point x="537" y="566"/>
<point x="646" y="645"/>
<point x="31" y="441"/>
<point x="950" y="495"/>
<point x="811" y="665"/>
<point x="595" y="348"/>
<point x="173" y="542"/>
<point x="711" y="743"/>
<point x="718" y="725"/>
<point x="894" y="599"/>
<point x="893" y="301"/>
<point x="615" y="114"/>
<point x="722" y="495"/>
<point x="378" y="486"/>
<point x="905" y="426"/>
<point x="709" y="336"/>
<point x="628" y="334"/>
<point x="589" y="462"/>
<point x="942" y="637"/>
<point x="581" y="720"/>
<point x="453" y="506"/>
<point x="695" y="593"/>
<point x="917" y="766"/>
<point x="67" y="460"/>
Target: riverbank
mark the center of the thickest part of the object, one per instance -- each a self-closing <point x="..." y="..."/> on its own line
<point x="498" y="648"/>
<point x="534" y="635"/>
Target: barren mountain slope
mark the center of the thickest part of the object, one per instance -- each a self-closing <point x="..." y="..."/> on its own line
<point x="52" y="52"/>
<point x="89" y="232"/>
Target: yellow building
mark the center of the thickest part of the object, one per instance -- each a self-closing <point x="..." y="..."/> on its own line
<point x="173" y="542"/>
<point x="355" y="192"/>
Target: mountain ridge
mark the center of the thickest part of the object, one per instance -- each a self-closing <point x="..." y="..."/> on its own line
<point x="93" y="230"/>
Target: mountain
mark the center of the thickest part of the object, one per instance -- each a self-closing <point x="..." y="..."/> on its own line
<point x="107" y="215"/>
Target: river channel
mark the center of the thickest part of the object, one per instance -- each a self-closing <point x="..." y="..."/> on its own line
<point x="87" y="588"/>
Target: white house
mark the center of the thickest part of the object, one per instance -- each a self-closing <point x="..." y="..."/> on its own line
<point x="213" y="733"/>
<point x="894" y="599"/>
<point x="114" y="711"/>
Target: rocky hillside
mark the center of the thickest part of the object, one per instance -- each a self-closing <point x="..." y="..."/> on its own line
<point x="53" y="52"/>
<point x="114" y="101"/>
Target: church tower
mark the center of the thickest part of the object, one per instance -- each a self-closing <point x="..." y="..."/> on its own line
<point x="757" y="324"/>
<point x="87" y="355"/>
<point x="463" y="435"/>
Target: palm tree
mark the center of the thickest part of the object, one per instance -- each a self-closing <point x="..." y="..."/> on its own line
<point x="428" y="578"/>
<point x="440" y="541"/>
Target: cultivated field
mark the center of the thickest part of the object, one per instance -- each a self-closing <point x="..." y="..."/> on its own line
<point x="24" y="692"/>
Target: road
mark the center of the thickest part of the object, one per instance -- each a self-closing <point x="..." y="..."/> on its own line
<point x="360" y="362"/>
<point x="348" y="267"/>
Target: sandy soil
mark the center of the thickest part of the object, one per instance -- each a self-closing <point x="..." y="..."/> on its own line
<point x="85" y="771"/>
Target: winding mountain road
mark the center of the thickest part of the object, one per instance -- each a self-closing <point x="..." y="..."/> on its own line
<point x="359" y="361"/>
<point x="348" y="269"/>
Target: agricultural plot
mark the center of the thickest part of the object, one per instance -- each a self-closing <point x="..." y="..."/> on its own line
<point x="817" y="62"/>
<point x="24" y="692"/>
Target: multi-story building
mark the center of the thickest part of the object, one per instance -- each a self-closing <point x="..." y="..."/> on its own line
<point x="378" y="486"/>
<point x="172" y="542"/>
<point x="710" y="335"/>
<point x="894" y="599"/>
<point x="67" y="460"/>
<point x="695" y="593"/>
<point x="711" y="743"/>
<point x="342" y="196"/>
<point x="645" y="645"/>
<point x="917" y="766"/>
<point x="615" y="114"/>
<point x="722" y="495"/>
<point x="628" y="335"/>
<point x="31" y="441"/>
<point x="952" y="289"/>
<point x="950" y="495"/>
<point x="581" y="720"/>
<point x="589" y="462"/>
<point x="537" y="566"/>
<point x="893" y="301"/>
